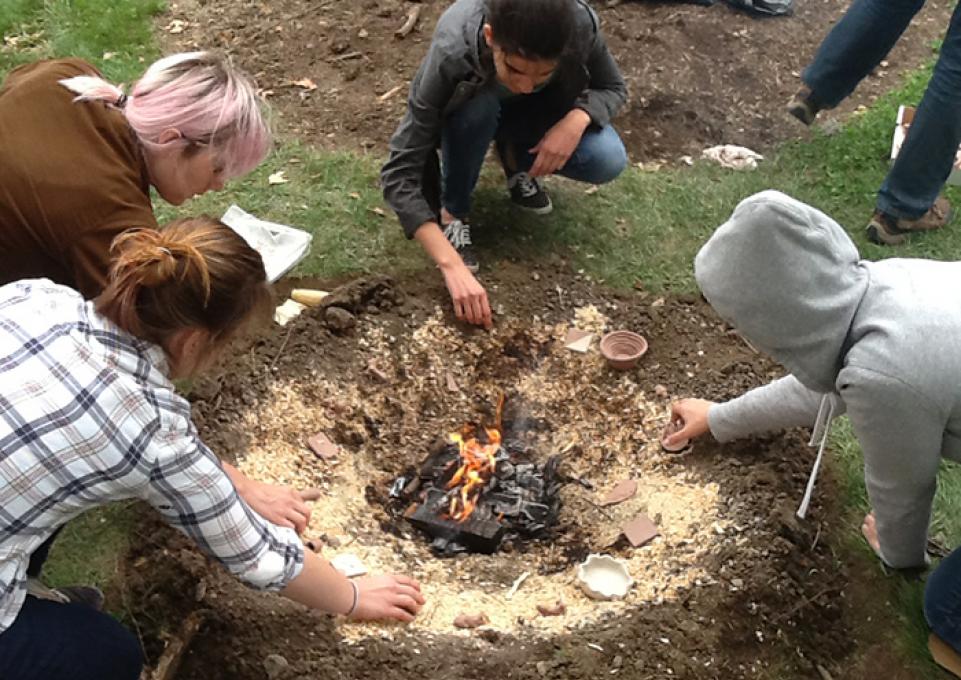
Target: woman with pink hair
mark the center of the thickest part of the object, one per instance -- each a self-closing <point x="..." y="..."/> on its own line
<point x="79" y="156"/>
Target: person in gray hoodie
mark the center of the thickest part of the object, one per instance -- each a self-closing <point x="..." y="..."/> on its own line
<point x="877" y="340"/>
<point x="533" y="76"/>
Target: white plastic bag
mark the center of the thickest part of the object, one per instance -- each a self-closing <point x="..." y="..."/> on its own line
<point x="282" y="247"/>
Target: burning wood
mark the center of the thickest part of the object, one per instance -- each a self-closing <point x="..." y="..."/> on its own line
<point x="476" y="488"/>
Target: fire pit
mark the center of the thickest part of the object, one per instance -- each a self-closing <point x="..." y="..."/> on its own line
<point x="477" y="488"/>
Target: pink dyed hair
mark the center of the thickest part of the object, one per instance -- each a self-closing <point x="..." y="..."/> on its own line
<point x="197" y="93"/>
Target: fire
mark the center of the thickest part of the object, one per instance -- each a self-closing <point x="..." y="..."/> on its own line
<point x="478" y="463"/>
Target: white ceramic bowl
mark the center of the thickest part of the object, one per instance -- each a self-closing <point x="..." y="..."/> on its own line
<point x="603" y="577"/>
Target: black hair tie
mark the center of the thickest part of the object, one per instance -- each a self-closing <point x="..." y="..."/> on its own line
<point x="121" y="101"/>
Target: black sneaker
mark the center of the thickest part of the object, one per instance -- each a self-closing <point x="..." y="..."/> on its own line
<point x="458" y="233"/>
<point x="803" y="107"/>
<point x="526" y="192"/>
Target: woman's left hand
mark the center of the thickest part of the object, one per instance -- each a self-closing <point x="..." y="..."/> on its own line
<point x="559" y="143"/>
<point x="281" y="505"/>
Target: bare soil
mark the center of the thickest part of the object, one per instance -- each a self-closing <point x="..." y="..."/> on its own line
<point x="697" y="76"/>
<point x="735" y="587"/>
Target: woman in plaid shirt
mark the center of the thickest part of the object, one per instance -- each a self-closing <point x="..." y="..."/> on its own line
<point x="88" y="415"/>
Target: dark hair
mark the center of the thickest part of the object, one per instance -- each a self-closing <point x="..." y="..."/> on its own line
<point x="193" y="273"/>
<point x="533" y="29"/>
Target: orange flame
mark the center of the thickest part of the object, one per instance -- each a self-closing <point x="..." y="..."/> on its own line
<point x="478" y="463"/>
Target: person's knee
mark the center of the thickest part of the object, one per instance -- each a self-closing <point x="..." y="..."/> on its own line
<point x="607" y="159"/>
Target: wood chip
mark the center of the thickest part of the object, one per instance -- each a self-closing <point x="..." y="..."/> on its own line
<point x="621" y="492"/>
<point x="451" y="383"/>
<point x="640" y="530"/>
<point x="323" y="447"/>
<point x="413" y="14"/>
<point x="349" y="565"/>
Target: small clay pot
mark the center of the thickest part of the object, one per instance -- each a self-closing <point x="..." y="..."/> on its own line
<point x="672" y="427"/>
<point x="623" y="349"/>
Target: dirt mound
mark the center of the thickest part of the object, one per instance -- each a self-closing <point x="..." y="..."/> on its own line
<point x="735" y="587"/>
<point x="697" y="76"/>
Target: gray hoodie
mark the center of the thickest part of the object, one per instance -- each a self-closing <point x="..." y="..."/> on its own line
<point x="457" y="67"/>
<point x="877" y="339"/>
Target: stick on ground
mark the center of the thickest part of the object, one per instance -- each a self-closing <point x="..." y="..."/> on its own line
<point x="170" y="660"/>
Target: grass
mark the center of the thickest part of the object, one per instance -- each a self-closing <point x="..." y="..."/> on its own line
<point x="645" y="227"/>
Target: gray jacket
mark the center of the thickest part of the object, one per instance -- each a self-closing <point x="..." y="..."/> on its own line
<point x="878" y="339"/>
<point x="458" y="65"/>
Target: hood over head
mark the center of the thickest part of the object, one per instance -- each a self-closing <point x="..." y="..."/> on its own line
<point x="789" y="279"/>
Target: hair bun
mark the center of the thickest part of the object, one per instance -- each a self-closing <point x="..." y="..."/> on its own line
<point x="159" y="265"/>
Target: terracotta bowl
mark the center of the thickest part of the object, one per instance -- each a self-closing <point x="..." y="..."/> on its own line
<point x="623" y="349"/>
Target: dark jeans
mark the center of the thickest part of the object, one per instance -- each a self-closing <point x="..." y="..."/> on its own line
<point x="854" y="47"/>
<point x="517" y="124"/>
<point x="942" y="600"/>
<point x="52" y="641"/>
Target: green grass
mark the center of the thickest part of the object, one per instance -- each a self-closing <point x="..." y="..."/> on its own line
<point x="645" y="227"/>
<point x="113" y="35"/>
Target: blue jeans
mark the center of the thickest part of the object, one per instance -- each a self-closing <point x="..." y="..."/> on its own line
<point x="942" y="600"/>
<point x="854" y="47"/>
<point x="52" y="641"/>
<point x="516" y="124"/>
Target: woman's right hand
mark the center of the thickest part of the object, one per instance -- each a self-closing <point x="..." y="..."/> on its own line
<point x="387" y="597"/>
<point x="692" y="416"/>
<point x="469" y="297"/>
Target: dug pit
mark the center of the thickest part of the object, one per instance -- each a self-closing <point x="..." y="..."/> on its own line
<point x="710" y="591"/>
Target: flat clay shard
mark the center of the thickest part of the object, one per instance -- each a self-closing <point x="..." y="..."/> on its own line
<point x="640" y="530"/>
<point x="323" y="447"/>
<point x="578" y="340"/>
<point x="471" y="620"/>
<point x="620" y="493"/>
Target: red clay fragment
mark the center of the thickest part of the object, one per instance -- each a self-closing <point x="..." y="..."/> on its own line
<point x="620" y="493"/>
<point x="470" y="620"/>
<point x="323" y="447"/>
<point x="640" y="530"/>
<point x="556" y="609"/>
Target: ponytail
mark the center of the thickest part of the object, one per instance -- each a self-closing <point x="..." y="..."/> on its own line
<point x="193" y="273"/>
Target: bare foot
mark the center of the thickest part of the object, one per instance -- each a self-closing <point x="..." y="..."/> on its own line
<point x="869" y="529"/>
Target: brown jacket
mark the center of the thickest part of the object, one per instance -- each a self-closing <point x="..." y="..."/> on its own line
<point x="72" y="177"/>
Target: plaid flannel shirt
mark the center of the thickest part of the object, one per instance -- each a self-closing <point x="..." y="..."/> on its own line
<point x="88" y="416"/>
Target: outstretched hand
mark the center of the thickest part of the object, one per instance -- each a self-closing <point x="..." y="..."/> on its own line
<point x="469" y="297"/>
<point x="691" y="416"/>
<point x="387" y="597"/>
<point x="281" y="505"/>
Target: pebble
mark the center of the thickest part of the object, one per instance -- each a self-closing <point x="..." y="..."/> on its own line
<point x="275" y="665"/>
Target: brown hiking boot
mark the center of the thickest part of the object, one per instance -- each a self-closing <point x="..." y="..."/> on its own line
<point x="886" y="230"/>
<point x="802" y="106"/>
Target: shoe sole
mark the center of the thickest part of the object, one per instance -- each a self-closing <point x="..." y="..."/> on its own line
<point x="883" y="238"/>
<point x="537" y="211"/>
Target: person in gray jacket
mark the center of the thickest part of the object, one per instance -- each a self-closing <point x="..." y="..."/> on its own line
<point x="878" y="340"/>
<point x="533" y="76"/>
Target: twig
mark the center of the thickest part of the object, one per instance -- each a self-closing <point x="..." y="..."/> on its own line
<point x="817" y="537"/>
<point x="280" y="351"/>
<point x="413" y="14"/>
<point x="349" y="55"/>
<point x="599" y="508"/>
<point x="804" y="603"/>
<point x="390" y="93"/>
<point x="170" y="660"/>
<point x="517" y="584"/>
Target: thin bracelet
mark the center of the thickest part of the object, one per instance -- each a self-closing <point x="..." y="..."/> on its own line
<point x="353" y="607"/>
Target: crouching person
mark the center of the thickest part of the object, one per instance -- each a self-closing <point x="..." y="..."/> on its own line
<point x="878" y="340"/>
<point x="89" y="415"/>
<point x="534" y="77"/>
